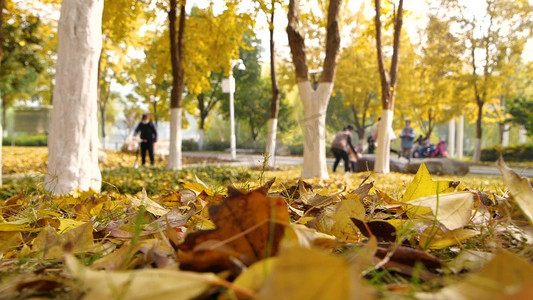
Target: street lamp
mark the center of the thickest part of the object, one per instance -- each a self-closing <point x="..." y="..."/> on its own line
<point x="228" y="86"/>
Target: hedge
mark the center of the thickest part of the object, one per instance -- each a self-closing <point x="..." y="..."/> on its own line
<point x="515" y="153"/>
<point x="26" y="140"/>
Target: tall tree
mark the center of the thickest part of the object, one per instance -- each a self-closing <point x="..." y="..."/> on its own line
<point x="178" y="82"/>
<point x="253" y="91"/>
<point x="269" y="8"/>
<point x="431" y="67"/>
<point x="359" y="86"/>
<point x="389" y="80"/>
<point x="315" y="101"/>
<point x="487" y="30"/>
<point x="206" y="62"/>
<point x="73" y="138"/>
<point x="120" y="32"/>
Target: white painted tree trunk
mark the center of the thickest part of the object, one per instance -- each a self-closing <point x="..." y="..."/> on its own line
<point x="382" y="162"/>
<point x="477" y="150"/>
<point x="174" y="157"/>
<point x="201" y="137"/>
<point x="315" y="104"/>
<point x="505" y="135"/>
<point x="451" y="137"/>
<point x="73" y="139"/>
<point x="460" y="136"/>
<point x="271" y="141"/>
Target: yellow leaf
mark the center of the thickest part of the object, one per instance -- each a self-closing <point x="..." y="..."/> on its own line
<point x="197" y="187"/>
<point x="9" y="241"/>
<point x="255" y="275"/>
<point x="422" y="186"/>
<point x="506" y="274"/>
<point x="435" y="238"/>
<point x="150" y="205"/>
<point x="348" y="208"/>
<point x="304" y="236"/>
<point x="453" y="210"/>
<point x="520" y="188"/>
<point x="301" y="273"/>
<point x="68" y="224"/>
<point x="14" y="227"/>
<point x="140" y="284"/>
<point x="49" y="244"/>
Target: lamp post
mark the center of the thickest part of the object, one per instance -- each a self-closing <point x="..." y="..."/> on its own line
<point x="229" y="87"/>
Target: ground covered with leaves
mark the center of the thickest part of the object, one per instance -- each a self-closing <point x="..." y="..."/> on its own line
<point x="153" y="233"/>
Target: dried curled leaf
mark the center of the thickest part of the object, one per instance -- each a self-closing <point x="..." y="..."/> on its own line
<point x="520" y="188"/>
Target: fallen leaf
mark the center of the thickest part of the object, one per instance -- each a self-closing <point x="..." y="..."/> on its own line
<point x="422" y="185"/>
<point x="148" y="203"/>
<point x="469" y="260"/>
<point x="453" y="210"/>
<point x="401" y="255"/>
<point x="198" y="187"/>
<point x="140" y="284"/>
<point x="249" y="228"/>
<point x="301" y="273"/>
<point x="435" y="238"/>
<point x="520" y="188"/>
<point x="347" y="208"/>
<point x="49" y="244"/>
<point x="506" y="274"/>
<point x="382" y="230"/>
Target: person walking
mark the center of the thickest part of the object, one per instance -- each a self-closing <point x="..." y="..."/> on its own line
<point x="407" y="136"/>
<point x="148" y="137"/>
<point x="340" y="145"/>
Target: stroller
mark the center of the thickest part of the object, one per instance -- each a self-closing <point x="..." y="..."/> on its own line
<point x="431" y="150"/>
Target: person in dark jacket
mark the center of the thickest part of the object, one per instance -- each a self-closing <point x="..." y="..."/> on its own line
<point x="148" y="137"/>
<point x="340" y="145"/>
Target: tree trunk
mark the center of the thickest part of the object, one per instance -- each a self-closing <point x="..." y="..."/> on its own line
<point x="359" y="127"/>
<point x="460" y="136"/>
<point x="505" y="134"/>
<point x="73" y="138"/>
<point x="315" y="102"/>
<point x="176" y="49"/>
<point x="274" y="106"/>
<point x="451" y="137"/>
<point x="1" y="56"/>
<point x="382" y="162"/>
<point x="174" y="161"/>
<point x="477" y="145"/>
<point x="388" y="87"/>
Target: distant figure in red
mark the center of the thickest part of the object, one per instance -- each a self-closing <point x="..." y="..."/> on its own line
<point x="148" y="136"/>
<point x="340" y="145"/>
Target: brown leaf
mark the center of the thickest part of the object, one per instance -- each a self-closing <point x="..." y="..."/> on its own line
<point x="243" y="233"/>
<point x="12" y="205"/>
<point x="383" y="231"/>
<point x="295" y="191"/>
<point x="409" y="256"/>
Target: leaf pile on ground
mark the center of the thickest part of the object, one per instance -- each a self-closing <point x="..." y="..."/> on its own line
<point x="33" y="160"/>
<point x="301" y="240"/>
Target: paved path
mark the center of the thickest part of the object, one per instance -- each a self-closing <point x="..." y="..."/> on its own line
<point x="254" y="160"/>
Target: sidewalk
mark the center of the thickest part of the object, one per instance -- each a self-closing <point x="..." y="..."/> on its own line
<point x="254" y="160"/>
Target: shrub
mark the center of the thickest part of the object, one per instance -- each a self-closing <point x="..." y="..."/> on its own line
<point x="515" y="153"/>
<point x="189" y="145"/>
<point x="296" y="149"/>
<point x="216" y="146"/>
<point x="26" y="140"/>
